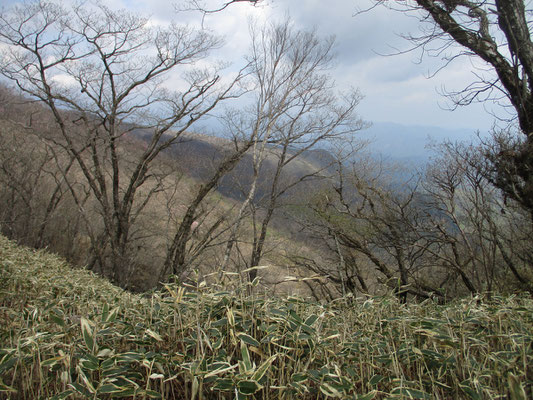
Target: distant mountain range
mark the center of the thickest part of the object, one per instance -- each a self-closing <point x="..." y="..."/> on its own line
<point x="198" y="155"/>
<point x="409" y="143"/>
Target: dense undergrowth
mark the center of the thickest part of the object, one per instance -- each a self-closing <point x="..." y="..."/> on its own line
<point x="66" y="333"/>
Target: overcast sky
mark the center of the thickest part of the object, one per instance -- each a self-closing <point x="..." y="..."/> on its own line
<point x="395" y="88"/>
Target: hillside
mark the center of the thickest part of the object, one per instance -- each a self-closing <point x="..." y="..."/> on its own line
<point x="48" y="201"/>
<point x="198" y="156"/>
<point x="68" y="334"/>
<point x="51" y="201"/>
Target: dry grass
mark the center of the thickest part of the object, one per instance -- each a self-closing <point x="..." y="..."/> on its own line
<point x="68" y="334"/>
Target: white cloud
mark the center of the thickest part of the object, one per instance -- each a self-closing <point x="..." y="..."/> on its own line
<point x="395" y="88"/>
<point x="64" y="80"/>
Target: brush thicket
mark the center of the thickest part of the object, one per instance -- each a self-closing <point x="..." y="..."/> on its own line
<point x="67" y="333"/>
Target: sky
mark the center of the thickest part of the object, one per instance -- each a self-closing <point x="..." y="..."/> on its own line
<point x="396" y="88"/>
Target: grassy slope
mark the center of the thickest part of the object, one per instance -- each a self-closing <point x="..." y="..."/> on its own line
<point x="68" y="334"/>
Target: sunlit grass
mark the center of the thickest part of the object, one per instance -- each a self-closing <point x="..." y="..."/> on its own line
<point x="69" y="334"/>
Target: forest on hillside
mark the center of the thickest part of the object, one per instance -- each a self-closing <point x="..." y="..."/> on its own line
<point x="100" y="161"/>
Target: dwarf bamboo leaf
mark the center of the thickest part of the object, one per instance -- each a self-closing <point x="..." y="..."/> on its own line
<point x="57" y="317"/>
<point x="516" y="389"/>
<point x="246" y="357"/>
<point x="89" y="363"/>
<point x="368" y="396"/>
<point x="231" y="317"/>
<point x="153" y="394"/>
<point x="248" y="339"/>
<point x="411" y="393"/>
<point x="125" y="393"/>
<point x="330" y="391"/>
<point x="112" y="315"/>
<point x="224" y="384"/>
<point x="87" y="333"/>
<point x="221" y="370"/>
<point x="52" y="361"/>
<point x="8" y="362"/>
<point x="109" y="388"/>
<point x="5" y="388"/>
<point x="299" y="377"/>
<point x="194" y="388"/>
<point x="375" y="380"/>
<point x="154" y="335"/>
<point x="105" y="312"/>
<point x="80" y="389"/>
<point x="62" y="395"/>
<point x="472" y="393"/>
<point x="248" y="387"/>
<point x="263" y="368"/>
<point x="311" y="320"/>
<point x="86" y="380"/>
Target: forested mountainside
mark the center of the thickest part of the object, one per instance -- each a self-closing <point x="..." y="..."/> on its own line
<point x="279" y="257"/>
<point x="327" y="223"/>
<point x="198" y="156"/>
<point x="47" y="203"/>
<point x="99" y="160"/>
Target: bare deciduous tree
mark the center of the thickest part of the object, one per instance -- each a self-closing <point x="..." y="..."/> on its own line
<point x="499" y="34"/>
<point x="474" y="227"/>
<point x="100" y="73"/>
<point x="450" y="234"/>
<point x="369" y="214"/>
<point x="295" y="110"/>
<point x="32" y="180"/>
<point x="176" y="262"/>
<point x="200" y="5"/>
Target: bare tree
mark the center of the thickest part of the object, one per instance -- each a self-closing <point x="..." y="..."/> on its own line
<point x="200" y="5"/>
<point x="176" y="262"/>
<point x="384" y="222"/>
<point x="295" y="110"/>
<point x="100" y="73"/>
<point x="499" y="34"/>
<point x="22" y="172"/>
<point x="31" y="175"/>
<point x="474" y="227"/>
<point x="444" y="234"/>
<point x="366" y="227"/>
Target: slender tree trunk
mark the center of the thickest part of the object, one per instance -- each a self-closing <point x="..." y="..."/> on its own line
<point x="175" y="262"/>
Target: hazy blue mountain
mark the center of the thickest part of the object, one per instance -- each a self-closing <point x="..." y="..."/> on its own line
<point x="409" y="143"/>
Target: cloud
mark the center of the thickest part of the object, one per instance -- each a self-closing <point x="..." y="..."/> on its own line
<point x="396" y="88"/>
<point x="64" y="80"/>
